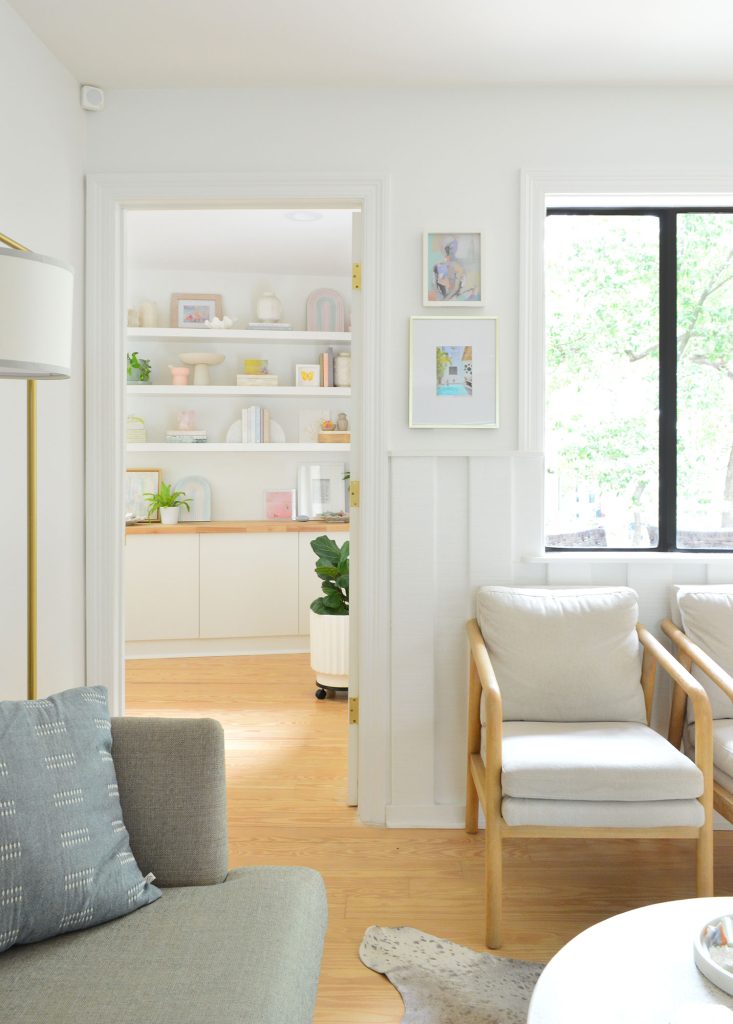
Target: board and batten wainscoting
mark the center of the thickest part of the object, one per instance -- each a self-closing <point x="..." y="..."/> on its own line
<point x="459" y="522"/>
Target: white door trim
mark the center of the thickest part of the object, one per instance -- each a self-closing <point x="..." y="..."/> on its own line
<point x="109" y="196"/>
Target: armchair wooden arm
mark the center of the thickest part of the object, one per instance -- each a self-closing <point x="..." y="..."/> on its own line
<point x="696" y="656"/>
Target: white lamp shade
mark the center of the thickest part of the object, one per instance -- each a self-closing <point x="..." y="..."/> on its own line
<point x="36" y="301"/>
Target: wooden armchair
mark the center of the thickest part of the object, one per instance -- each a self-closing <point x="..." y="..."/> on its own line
<point x="559" y="745"/>
<point x="701" y="628"/>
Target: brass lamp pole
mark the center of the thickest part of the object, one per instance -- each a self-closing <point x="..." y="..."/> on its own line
<point x="39" y="284"/>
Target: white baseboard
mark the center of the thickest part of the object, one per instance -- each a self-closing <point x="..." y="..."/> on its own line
<point x="425" y="816"/>
<point x="138" y="649"/>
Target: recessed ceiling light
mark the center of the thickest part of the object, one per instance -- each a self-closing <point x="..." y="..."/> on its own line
<point x="303" y="215"/>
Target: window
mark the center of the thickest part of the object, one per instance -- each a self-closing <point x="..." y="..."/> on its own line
<point x="639" y="379"/>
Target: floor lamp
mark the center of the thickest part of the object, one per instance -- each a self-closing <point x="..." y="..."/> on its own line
<point x="36" y="299"/>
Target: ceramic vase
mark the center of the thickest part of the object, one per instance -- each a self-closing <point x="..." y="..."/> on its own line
<point x="179" y="374"/>
<point x="148" y="314"/>
<point x="342" y="370"/>
<point x="269" y="308"/>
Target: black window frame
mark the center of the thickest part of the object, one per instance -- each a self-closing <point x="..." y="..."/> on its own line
<point x="667" y="216"/>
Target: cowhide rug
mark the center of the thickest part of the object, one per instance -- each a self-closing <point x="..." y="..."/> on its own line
<point x="442" y="983"/>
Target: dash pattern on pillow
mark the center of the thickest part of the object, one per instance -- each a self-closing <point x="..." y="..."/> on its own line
<point x="65" y="857"/>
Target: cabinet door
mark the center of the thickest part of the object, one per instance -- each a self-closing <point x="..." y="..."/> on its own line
<point x="249" y="584"/>
<point x="309" y="584"/>
<point x="162" y="587"/>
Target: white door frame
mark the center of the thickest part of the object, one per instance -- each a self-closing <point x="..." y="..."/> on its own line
<point x="109" y="196"/>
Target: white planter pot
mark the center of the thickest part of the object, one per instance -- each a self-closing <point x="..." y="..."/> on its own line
<point x="169" y="516"/>
<point x="330" y="649"/>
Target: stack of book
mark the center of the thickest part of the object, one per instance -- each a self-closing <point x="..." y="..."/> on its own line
<point x="136" y="433"/>
<point x="186" y="436"/>
<point x="327" y="367"/>
<point x="257" y="380"/>
<point x="255" y="425"/>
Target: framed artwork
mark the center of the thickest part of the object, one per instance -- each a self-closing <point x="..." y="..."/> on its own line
<point x="279" y="504"/>
<point x="139" y="482"/>
<point x="307" y="375"/>
<point x="194" y="310"/>
<point x="453" y="268"/>
<point x="322" y="490"/>
<point x="454" y="373"/>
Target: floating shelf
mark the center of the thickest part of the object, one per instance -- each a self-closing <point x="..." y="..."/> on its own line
<point x="227" y="390"/>
<point x="260" y="449"/>
<point x="206" y="334"/>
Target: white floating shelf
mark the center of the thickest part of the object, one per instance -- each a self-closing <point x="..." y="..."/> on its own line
<point x="260" y="449"/>
<point x="224" y="390"/>
<point x="206" y="334"/>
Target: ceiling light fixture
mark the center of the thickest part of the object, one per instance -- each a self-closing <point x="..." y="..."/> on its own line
<point x="301" y="216"/>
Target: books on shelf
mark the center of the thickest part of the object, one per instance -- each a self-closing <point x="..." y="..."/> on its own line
<point x="186" y="436"/>
<point x="326" y="362"/>
<point x="255" y="425"/>
<point x="257" y="380"/>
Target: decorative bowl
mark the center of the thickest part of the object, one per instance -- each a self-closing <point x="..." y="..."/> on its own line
<point x="713" y="948"/>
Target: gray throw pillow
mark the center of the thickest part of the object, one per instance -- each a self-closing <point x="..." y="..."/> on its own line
<point x="65" y="858"/>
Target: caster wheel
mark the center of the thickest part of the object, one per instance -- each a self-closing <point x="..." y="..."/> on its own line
<point x="320" y="694"/>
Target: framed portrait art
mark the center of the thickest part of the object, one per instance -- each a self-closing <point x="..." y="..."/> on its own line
<point x="453" y="268"/>
<point x="194" y="310"/>
<point x="454" y="374"/>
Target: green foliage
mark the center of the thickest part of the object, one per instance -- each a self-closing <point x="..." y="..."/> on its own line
<point x="332" y="569"/>
<point x="134" y="362"/>
<point x="166" y="498"/>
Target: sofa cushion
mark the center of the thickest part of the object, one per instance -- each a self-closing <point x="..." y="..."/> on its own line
<point x="605" y="761"/>
<point x="705" y="614"/>
<point x="568" y="655"/>
<point x="244" y="952"/>
<point x="65" y="858"/>
<point x="603" y="814"/>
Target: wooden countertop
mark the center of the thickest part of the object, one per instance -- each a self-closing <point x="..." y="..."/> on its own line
<point x="243" y="526"/>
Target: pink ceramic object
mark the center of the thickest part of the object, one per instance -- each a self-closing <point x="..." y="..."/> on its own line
<point x="179" y="374"/>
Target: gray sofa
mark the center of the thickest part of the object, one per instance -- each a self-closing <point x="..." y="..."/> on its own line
<point x="242" y="947"/>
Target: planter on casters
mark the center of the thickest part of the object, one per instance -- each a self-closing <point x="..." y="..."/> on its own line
<point x="330" y="653"/>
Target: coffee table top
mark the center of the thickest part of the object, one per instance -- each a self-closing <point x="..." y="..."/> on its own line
<point x="638" y="966"/>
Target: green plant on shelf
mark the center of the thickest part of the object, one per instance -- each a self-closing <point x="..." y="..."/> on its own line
<point x="166" y="498"/>
<point x="332" y="568"/>
<point x="138" y="370"/>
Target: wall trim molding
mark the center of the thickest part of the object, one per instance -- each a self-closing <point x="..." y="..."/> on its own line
<point x="109" y="196"/>
<point x="426" y="816"/>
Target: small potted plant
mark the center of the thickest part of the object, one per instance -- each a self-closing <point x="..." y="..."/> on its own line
<point x="138" y="370"/>
<point x="168" y="503"/>
<point x="329" y="618"/>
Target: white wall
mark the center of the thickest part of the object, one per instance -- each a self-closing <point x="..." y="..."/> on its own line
<point x="41" y="197"/>
<point x="466" y="505"/>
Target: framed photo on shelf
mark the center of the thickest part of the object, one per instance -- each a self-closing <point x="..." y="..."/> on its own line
<point x="454" y="375"/>
<point x="139" y="482"/>
<point x="279" y="504"/>
<point x="194" y="310"/>
<point x="322" y="490"/>
<point x="307" y="375"/>
<point x="453" y="268"/>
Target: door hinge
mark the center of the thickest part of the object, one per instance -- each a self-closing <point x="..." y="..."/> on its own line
<point x="354" y="493"/>
<point x="353" y="710"/>
<point x="356" y="276"/>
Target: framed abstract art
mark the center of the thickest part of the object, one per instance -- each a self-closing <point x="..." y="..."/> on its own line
<point x="453" y="268"/>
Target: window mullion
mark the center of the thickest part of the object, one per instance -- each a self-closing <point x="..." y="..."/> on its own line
<point x="667" y="380"/>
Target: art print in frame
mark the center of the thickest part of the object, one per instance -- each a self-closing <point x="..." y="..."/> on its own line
<point x="280" y="504"/>
<point x="322" y="491"/>
<point x="453" y="268"/>
<point x="138" y="483"/>
<point x="454" y="372"/>
<point x="194" y="310"/>
<point x="307" y="375"/>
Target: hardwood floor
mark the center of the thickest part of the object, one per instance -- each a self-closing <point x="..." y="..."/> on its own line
<point x="286" y="757"/>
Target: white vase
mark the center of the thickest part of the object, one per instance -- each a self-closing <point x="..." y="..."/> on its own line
<point x="148" y="314"/>
<point x="342" y="370"/>
<point x="269" y="308"/>
<point x="329" y="642"/>
<point x="169" y="516"/>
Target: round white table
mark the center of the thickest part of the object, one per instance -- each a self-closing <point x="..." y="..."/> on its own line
<point x="636" y="967"/>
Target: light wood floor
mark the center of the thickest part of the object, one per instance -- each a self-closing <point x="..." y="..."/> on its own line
<point x="286" y="757"/>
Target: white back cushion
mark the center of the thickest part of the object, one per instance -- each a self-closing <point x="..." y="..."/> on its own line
<point x="705" y="614"/>
<point x="569" y="655"/>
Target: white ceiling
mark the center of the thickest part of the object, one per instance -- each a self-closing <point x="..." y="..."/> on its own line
<point x="207" y="43"/>
<point x="240" y="241"/>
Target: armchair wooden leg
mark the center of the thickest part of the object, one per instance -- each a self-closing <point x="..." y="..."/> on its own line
<point x="705" y="882"/>
<point x="471" y="803"/>
<point x="494" y="884"/>
<point x="474" y="747"/>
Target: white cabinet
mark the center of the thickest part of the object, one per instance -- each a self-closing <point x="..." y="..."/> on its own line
<point x="249" y="584"/>
<point x="162" y="587"/>
<point x="309" y="584"/>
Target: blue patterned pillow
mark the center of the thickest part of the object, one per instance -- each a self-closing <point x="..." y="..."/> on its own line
<point x="65" y="858"/>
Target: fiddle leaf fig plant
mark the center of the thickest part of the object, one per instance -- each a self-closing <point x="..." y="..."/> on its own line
<point x="166" y="498"/>
<point x="332" y="568"/>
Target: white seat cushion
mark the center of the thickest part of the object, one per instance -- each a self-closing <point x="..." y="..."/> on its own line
<point x="569" y="655"/>
<point x="722" y="749"/>
<point x="594" y="761"/>
<point x="608" y="814"/>
<point x="705" y="614"/>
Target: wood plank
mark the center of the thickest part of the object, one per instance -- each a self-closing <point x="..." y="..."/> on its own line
<point x="241" y="526"/>
<point x="286" y="770"/>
